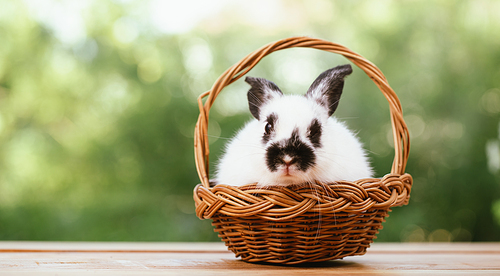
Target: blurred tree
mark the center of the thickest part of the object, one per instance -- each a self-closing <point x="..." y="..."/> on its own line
<point x="98" y="105"/>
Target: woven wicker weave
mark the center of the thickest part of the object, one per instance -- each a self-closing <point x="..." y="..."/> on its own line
<point x="309" y="223"/>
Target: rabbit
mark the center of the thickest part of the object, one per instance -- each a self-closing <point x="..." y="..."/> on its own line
<point x="293" y="138"/>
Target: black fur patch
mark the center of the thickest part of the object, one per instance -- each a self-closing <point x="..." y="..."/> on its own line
<point x="302" y="155"/>
<point x="314" y="133"/>
<point x="271" y="119"/>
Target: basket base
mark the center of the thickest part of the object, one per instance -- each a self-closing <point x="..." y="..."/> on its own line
<point x="306" y="238"/>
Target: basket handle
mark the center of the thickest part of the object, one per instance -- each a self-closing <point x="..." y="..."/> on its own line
<point x="399" y="128"/>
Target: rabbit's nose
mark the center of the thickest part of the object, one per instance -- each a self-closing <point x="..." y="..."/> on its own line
<point x="288" y="160"/>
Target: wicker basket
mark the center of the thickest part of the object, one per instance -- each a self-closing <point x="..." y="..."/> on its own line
<point x="296" y="224"/>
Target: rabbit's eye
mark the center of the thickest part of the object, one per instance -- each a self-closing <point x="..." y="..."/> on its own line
<point x="314" y="134"/>
<point x="268" y="128"/>
<point x="271" y="120"/>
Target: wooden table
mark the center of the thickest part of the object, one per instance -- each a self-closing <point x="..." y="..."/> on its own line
<point x="84" y="258"/>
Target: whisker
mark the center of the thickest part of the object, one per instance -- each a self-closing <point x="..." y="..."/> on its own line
<point x="218" y="137"/>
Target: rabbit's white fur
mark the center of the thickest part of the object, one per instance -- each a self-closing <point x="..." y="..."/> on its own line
<point x="340" y="156"/>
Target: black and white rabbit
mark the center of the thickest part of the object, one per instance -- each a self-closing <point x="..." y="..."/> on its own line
<point x="294" y="139"/>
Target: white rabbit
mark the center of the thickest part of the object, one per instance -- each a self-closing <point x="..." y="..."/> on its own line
<point x="293" y="139"/>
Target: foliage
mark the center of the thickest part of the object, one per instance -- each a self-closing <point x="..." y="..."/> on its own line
<point x="97" y="110"/>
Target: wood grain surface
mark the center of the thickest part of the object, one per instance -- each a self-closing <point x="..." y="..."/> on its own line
<point x="123" y="258"/>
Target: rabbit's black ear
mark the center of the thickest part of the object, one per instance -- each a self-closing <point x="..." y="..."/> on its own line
<point x="327" y="87"/>
<point x="261" y="91"/>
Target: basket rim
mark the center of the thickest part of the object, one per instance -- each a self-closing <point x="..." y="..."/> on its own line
<point x="399" y="128"/>
<point x="280" y="203"/>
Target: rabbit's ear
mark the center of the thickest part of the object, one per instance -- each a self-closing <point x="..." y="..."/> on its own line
<point x="327" y="88"/>
<point x="261" y="92"/>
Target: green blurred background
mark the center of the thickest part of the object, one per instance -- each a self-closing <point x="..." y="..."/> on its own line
<point x="98" y="106"/>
